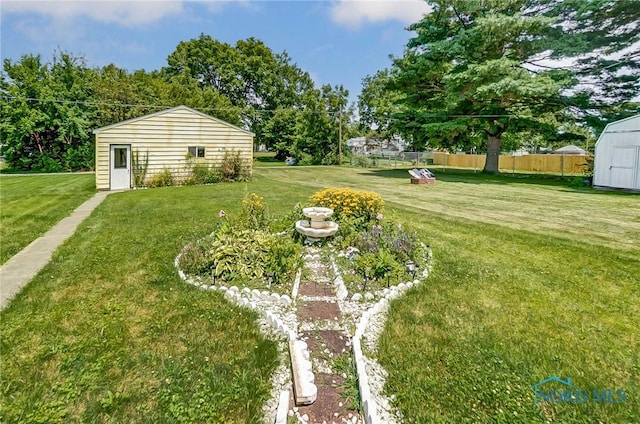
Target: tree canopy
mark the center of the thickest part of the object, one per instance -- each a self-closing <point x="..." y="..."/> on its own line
<point x="46" y="118"/>
<point x="50" y="109"/>
<point x="486" y="68"/>
<point x="464" y="73"/>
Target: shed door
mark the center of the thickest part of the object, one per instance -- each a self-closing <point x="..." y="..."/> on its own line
<point x="636" y="169"/>
<point x="119" y="167"/>
<point x="623" y="160"/>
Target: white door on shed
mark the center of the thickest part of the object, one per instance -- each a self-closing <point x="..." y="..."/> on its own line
<point x="637" y="169"/>
<point x="622" y="164"/>
<point x="119" y="167"/>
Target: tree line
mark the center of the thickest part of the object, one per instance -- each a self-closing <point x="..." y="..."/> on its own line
<point x="49" y="110"/>
<point x="475" y="75"/>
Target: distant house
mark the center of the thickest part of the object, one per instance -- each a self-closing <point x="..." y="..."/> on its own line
<point x="358" y="145"/>
<point x="367" y="146"/>
<point x="168" y="139"/>
<point x="570" y="150"/>
<point x="617" y="155"/>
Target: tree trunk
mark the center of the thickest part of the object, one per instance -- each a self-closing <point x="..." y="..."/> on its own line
<point x="493" y="154"/>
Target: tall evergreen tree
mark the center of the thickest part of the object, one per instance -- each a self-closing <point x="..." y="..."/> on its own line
<point x="464" y="72"/>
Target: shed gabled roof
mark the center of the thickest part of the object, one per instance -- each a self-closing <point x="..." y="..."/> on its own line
<point x="611" y="127"/>
<point x="621" y="121"/>
<point x="162" y="112"/>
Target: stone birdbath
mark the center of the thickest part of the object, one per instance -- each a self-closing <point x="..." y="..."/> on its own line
<point x="316" y="227"/>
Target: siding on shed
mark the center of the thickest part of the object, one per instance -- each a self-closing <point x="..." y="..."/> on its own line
<point x="617" y="155"/>
<point x="166" y="136"/>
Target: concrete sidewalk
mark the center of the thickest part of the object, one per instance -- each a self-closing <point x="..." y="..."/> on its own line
<point x="22" y="267"/>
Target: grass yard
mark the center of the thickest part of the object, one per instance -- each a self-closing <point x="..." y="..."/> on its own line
<point x="266" y="159"/>
<point x="531" y="279"/>
<point x="108" y="332"/>
<point x="30" y="205"/>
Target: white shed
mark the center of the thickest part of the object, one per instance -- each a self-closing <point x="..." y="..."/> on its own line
<point x="168" y="139"/>
<point x="617" y="155"/>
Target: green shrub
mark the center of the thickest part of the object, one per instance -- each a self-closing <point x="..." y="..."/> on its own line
<point x="244" y="257"/>
<point x="234" y="168"/>
<point x="286" y="222"/>
<point x="379" y="255"/>
<point x="243" y="251"/>
<point x="200" y="173"/>
<point x="304" y="159"/>
<point x="161" y="179"/>
<point x="252" y="215"/>
<point x="361" y="161"/>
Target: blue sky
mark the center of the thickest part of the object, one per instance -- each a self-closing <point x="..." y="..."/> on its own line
<point x="337" y="42"/>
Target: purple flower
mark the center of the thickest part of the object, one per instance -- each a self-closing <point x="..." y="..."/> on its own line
<point x="379" y="217"/>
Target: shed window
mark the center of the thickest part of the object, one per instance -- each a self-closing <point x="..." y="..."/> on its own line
<point x="196" y="151"/>
<point x="120" y="157"/>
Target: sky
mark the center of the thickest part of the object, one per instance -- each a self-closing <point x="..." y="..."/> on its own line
<point x="337" y="42"/>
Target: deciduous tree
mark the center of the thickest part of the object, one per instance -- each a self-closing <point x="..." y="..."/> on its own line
<point x="47" y="114"/>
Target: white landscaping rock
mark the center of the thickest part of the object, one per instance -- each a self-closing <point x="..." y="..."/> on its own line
<point x="285" y="300"/>
<point x="279" y="319"/>
<point x="283" y="408"/>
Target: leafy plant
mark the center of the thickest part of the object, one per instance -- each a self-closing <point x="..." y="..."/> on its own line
<point x="343" y="365"/>
<point x="161" y="179"/>
<point x="361" y="161"/>
<point x="286" y="222"/>
<point x="252" y="214"/>
<point x="234" y="167"/>
<point x="380" y="254"/>
<point x="200" y="172"/>
<point x="139" y="166"/>
<point x="243" y="257"/>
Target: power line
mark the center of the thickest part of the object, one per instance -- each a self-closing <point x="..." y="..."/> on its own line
<point x="235" y="109"/>
<point x="152" y="106"/>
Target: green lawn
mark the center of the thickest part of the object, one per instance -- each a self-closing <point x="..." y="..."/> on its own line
<point x="31" y="204"/>
<point x="266" y="159"/>
<point x="531" y="279"/>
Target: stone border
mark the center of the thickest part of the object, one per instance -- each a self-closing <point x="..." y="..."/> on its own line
<point x="278" y="314"/>
<point x="371" y="375"/>
<point x="375" y="406"/>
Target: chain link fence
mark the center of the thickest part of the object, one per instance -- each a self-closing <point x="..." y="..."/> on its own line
<point x="391" y="159"/>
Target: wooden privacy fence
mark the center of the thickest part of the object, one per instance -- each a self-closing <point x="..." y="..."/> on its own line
<point x="552" y="164"/>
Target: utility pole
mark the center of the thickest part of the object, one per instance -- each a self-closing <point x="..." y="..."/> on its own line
<point x="340" y="137"/>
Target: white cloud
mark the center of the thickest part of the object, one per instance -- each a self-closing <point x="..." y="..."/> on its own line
<point x="216" y="6"/>
<point x="353" y="13"/>
<point x="125" y="13"/>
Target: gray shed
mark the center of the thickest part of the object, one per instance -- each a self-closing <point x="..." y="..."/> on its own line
<point x="617" y="155"/>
